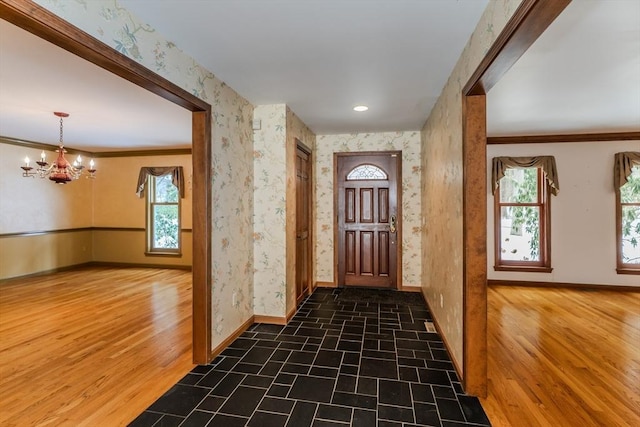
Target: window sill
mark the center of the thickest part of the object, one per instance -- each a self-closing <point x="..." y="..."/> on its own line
<point x="628" y="270"/>
<point x="164" y="254"/>
<point x="523" y="268"/>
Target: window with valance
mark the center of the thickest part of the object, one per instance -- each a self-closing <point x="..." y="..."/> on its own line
<point x="626" y="180"/>
<point x="164" y="187"/>
<point x="522" y="187"/>
<point x="176" y="172"/>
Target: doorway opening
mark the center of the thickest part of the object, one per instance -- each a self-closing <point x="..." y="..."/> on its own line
<point x="303" y="222"/>
<point x="46" y="25"/>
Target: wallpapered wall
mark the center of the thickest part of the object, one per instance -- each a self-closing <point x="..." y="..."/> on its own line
<point x="269" y="160"/>
<point x="274" y="214"/>
<point x="442" y="181"/>
<point x="326" y="146"/>
<point x="232" y="173"/>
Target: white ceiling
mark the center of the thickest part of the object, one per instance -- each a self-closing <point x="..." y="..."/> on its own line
<point x="581" y="76"/>
<point x="321" y="57"/>
<point x="106" y="112"/>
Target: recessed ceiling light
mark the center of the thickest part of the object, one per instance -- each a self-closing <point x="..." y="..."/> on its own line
<point x="360" y="108"/>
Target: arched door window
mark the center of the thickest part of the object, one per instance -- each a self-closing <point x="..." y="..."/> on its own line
<point x="366" y="172"/>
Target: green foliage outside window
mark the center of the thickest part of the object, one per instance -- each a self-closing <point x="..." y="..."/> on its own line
<point x="521" y="186"/>
<point x="529" y="216"/>
<point x="630" y="195"/>
<point x="165" y="214"/>
<point x="165" y="227"/>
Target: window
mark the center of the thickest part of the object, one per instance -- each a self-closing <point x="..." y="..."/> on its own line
<point x="163" y="215"/>
<point x="628" y="213"/>
<point x="522" y="220"/>
<point x="366" y="172"/>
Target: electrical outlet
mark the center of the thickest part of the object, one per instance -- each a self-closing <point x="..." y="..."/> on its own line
<point x="234" y="299"/>
<point x="441" y="301"/>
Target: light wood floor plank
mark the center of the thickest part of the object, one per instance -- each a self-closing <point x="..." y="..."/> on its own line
<point x="91" y="347"/>
<point x="561" y="357"/>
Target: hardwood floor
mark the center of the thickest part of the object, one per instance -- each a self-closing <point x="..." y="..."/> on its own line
<point x="560" y="357"/>
<point x="92" y="347"/>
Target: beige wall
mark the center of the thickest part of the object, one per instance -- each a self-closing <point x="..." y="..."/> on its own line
<point x="583" y="214"/>
<point x="128" y="247"/>
<point x="116" y="205"/>
<point x="109" y="201"/>
<point x="23" y="255"/>
<point x="442" y="185"/>
<point x="35" y="204"/>
<point x="39" y="205"/>
<point x="115" y="201"/>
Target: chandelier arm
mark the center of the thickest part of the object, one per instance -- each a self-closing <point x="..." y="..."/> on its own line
<point x="43" y="171"/>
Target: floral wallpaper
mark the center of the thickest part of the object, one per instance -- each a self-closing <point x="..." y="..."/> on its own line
<point x="409" y="143"/>
<point x="269" y="230"/>
<point x="274" y="214"/>
<point x="442" y="184"/>
<point x="232" y="168"/>
<point x="232" y="188"/>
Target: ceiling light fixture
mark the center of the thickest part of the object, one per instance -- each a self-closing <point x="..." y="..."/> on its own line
<point x="360" y="108"/>
<point x="60" y="171"/>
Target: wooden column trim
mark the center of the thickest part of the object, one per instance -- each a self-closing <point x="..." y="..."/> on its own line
<point x="201" y="212"/>
<point x="474" y="207"/>
<point x="44" y="24"/>
<point x="528" y="22"/>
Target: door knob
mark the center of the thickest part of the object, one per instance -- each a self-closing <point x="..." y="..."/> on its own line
<point x="392" y="225"/>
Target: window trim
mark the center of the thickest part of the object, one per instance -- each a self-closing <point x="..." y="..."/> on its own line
<point x="149" y="224"/>
<point x="544" y="201"/>
<point x="622" y="267"/>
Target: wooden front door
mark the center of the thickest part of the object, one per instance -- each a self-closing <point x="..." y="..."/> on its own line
<point x="368" y="219"/>
<point x="303" y="220"/>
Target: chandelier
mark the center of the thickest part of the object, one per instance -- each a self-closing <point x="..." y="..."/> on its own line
<point x="60" y="171"/>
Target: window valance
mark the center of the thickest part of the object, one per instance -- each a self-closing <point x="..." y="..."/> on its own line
<point x="622" y="166"/>
<point x="546" y="163"/>
<point x="176" y="172"/>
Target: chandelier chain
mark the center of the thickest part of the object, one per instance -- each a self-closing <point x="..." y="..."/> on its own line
<point x="60" y="131"/>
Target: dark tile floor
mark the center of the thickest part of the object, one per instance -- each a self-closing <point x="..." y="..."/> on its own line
<point x="357" y="358"/>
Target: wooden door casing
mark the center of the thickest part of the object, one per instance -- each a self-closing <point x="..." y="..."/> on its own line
<point x="303" y="221"/>
<point x="368" y="245"/>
